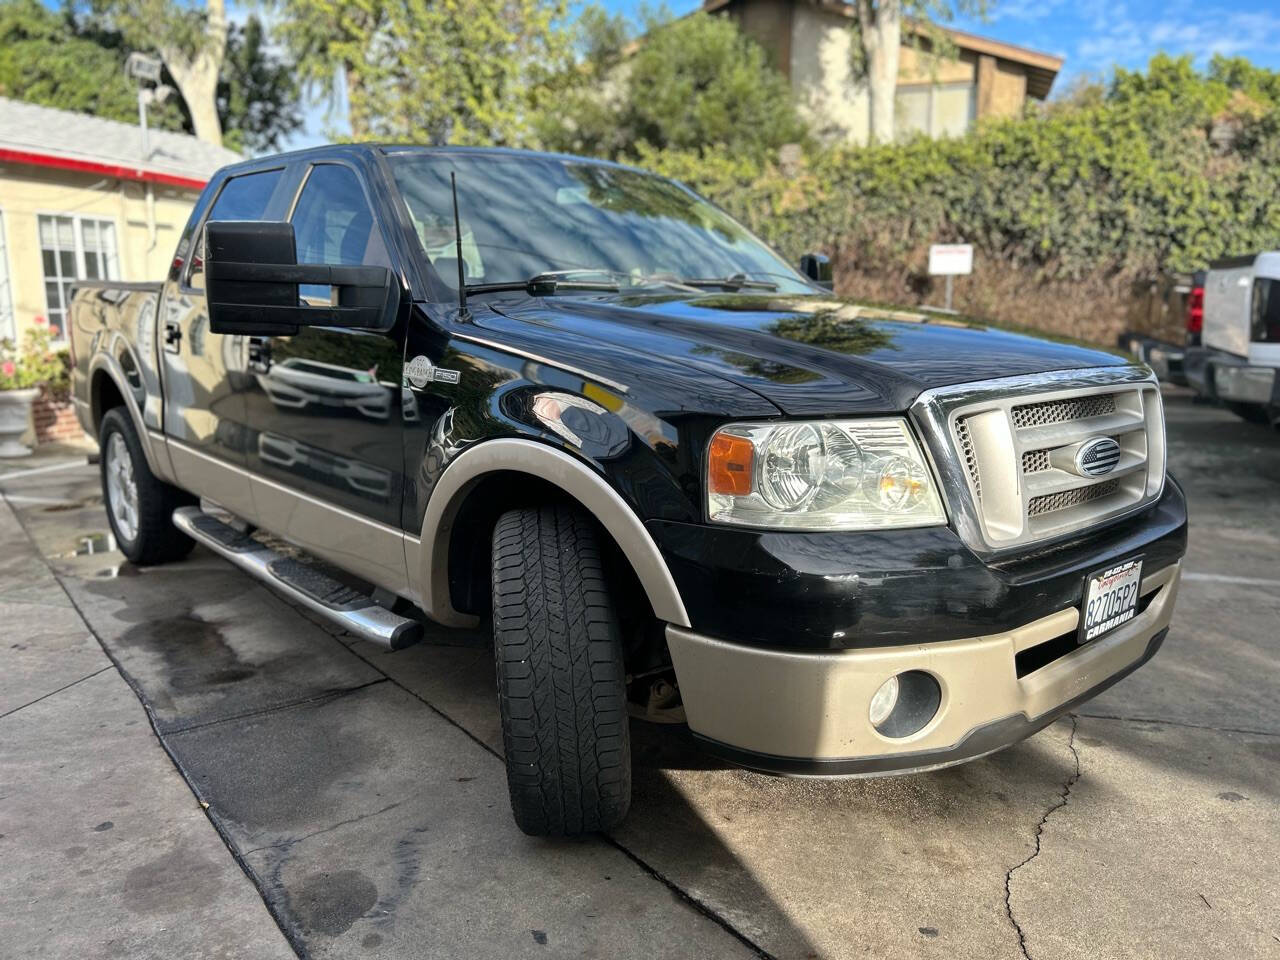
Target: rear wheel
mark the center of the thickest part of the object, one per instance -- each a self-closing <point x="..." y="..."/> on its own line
<point x="139" y="505"/>
<point x="561" y="681"/>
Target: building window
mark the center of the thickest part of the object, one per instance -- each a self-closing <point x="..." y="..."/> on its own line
<point x="74" y="248"/>
<point x="8" y="329"/>
<point x="936" y="110"/>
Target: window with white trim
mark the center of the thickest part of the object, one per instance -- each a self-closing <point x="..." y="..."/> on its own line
<point x="8" y="329"/>
<point x="938" y="110"/>
<point x="74" y="248"/>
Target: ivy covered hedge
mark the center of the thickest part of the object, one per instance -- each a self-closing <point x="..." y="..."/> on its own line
<point x="1160" y="172"/>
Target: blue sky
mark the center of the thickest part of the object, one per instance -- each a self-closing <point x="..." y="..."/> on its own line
<point x="1092" y="35"/>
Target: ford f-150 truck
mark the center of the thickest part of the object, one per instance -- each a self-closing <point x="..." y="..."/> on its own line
<point x="577" y="403"/>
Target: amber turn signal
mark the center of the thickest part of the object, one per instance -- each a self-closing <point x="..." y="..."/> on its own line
<point x="729" y="465"/>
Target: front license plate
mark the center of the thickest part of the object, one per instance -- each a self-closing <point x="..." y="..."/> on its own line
<point x="1110" y="599"/>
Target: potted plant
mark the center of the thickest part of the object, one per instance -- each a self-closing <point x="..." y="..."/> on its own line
<point x="23" y="371"/>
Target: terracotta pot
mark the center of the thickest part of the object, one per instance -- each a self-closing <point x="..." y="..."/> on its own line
<point x="15" y="417"/>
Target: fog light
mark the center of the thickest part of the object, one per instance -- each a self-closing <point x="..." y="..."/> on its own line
<point x="905" y="704"/>
<point x="883" y="702"/>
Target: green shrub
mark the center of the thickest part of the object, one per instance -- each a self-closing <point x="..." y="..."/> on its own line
<point x="1165" y="172"/>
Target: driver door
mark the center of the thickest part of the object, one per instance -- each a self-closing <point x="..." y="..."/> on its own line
<point x="323" y="406"/>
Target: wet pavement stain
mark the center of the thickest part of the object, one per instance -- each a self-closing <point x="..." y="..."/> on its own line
<point x="175" y="882"/>
<point x="194" y="652"/>
<point x="329" y="903"/>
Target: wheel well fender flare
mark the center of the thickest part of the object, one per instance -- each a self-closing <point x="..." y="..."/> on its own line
<point x="105" y="365"/>
<point x="571" y="475"/>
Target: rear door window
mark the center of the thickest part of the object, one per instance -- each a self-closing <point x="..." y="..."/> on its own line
<point x="246" y="197"/>
<point x="334" y="224"/>
<point x="1266" y="311"/>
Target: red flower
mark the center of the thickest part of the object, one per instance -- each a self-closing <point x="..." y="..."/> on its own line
<point x="55" y="330"/>
<point x="39" y="321"/>
<point x="8" y="368"/>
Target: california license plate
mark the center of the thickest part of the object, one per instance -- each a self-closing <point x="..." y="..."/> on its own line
<point x="1110" y="599"/>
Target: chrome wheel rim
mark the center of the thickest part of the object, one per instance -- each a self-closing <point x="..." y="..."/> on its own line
<point x="122" y="488"/>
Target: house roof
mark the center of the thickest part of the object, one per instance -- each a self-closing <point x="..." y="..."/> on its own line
<point x="46" y="137"/>
<point x="1042" y="68"/>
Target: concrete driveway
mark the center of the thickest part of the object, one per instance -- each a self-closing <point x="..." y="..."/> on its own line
<point x="357" y="798"/>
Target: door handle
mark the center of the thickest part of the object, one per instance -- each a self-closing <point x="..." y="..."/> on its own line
<point x="172" y="335"/>
<point x="259" y="354"/>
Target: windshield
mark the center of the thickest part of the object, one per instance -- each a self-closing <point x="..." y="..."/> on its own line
<point x="524" y="216"/>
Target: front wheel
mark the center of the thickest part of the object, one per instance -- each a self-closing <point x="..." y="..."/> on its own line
<point x="139" y="505"/>
<point x="561" y="680"/>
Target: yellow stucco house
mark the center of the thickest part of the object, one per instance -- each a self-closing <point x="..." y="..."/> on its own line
<point x="81" y="199"/>
<point x="810" y="41"/>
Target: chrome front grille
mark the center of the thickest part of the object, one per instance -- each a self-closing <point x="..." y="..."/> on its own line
<point x="1007" y="452"/>
<point x="1033" y="461"/>
<point x="1037" y="506"/>
<point x="1062" y="411"/>
<point x="965" y="445"/>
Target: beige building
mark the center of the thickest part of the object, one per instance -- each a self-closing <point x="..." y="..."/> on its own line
<point x="80" y="200"/>
<point x="811" y="42"/>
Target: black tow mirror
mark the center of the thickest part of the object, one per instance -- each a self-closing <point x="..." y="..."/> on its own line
<point x="817" y="267"/>
<point x="252" y="276"/>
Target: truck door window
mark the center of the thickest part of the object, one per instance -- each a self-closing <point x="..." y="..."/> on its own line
<point x="333" y="223"/>
<point x="1266" y="311"/>
<point x="245" y="197"/>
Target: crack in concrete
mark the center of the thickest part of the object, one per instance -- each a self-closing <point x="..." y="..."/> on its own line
<point x="54" y="693"/>
<point x="1064" y="797"/>
<point x="286" y="844"/>
<point x="1179" y="723"/>
<point x="275" y="707"/>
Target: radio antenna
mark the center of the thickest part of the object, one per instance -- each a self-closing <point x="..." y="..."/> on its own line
<point x="463" y="312"/>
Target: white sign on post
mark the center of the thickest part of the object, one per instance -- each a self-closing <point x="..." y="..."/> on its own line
<point x="950" y="260"/>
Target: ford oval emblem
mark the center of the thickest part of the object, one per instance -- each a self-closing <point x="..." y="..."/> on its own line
<point x="1097" y="457"/>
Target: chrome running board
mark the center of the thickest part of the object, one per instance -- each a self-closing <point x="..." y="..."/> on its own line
<point x="308" y="585"/>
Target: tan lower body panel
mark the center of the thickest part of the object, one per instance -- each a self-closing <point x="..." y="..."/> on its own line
<point x="815" y="705"/>
<point x="225" y="484"/>
<point x="370" y="550"/>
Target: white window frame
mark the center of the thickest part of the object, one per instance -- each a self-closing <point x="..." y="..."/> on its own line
<point x="8" y="320"/>
<point x="933" y="89"/>
<point x="77" y="232"/>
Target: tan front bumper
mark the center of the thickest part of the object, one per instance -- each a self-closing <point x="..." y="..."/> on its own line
<point x="808" y="712"/>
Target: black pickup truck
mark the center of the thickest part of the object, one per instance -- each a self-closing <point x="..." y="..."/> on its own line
<point x="679" y="478"/>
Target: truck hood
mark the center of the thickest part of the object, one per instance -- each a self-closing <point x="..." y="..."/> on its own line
<point x="807" y="354"/>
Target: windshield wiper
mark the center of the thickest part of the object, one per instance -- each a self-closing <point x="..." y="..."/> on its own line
<point x="737" y="281"/>
<point x="542" y="284"/>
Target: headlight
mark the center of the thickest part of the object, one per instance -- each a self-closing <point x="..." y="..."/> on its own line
<point x="821" y="475"/>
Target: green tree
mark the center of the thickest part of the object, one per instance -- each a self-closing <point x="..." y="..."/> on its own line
<point x="51" y="58"/>
<point x="73" y="60"/>
<point x="688" y="84"/>
<point x="259" y="97"/>
<point x="459" y="71"/>
<point x="190" y="39"/>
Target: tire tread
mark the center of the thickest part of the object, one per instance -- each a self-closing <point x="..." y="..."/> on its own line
<point x="561" y="680"/>
<point x="158" y="540"/>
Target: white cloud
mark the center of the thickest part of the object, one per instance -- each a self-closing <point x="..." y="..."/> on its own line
<point x="1118" y="37"/>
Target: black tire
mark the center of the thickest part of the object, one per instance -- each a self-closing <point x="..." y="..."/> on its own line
<point x="561" y="681"/>
<point x="1252" y="412"/>
<point x="155" y="539"/>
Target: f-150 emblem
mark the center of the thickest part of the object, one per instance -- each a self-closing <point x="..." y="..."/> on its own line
<point x="420" y="371"/>
<point x="1097" y="457"/>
